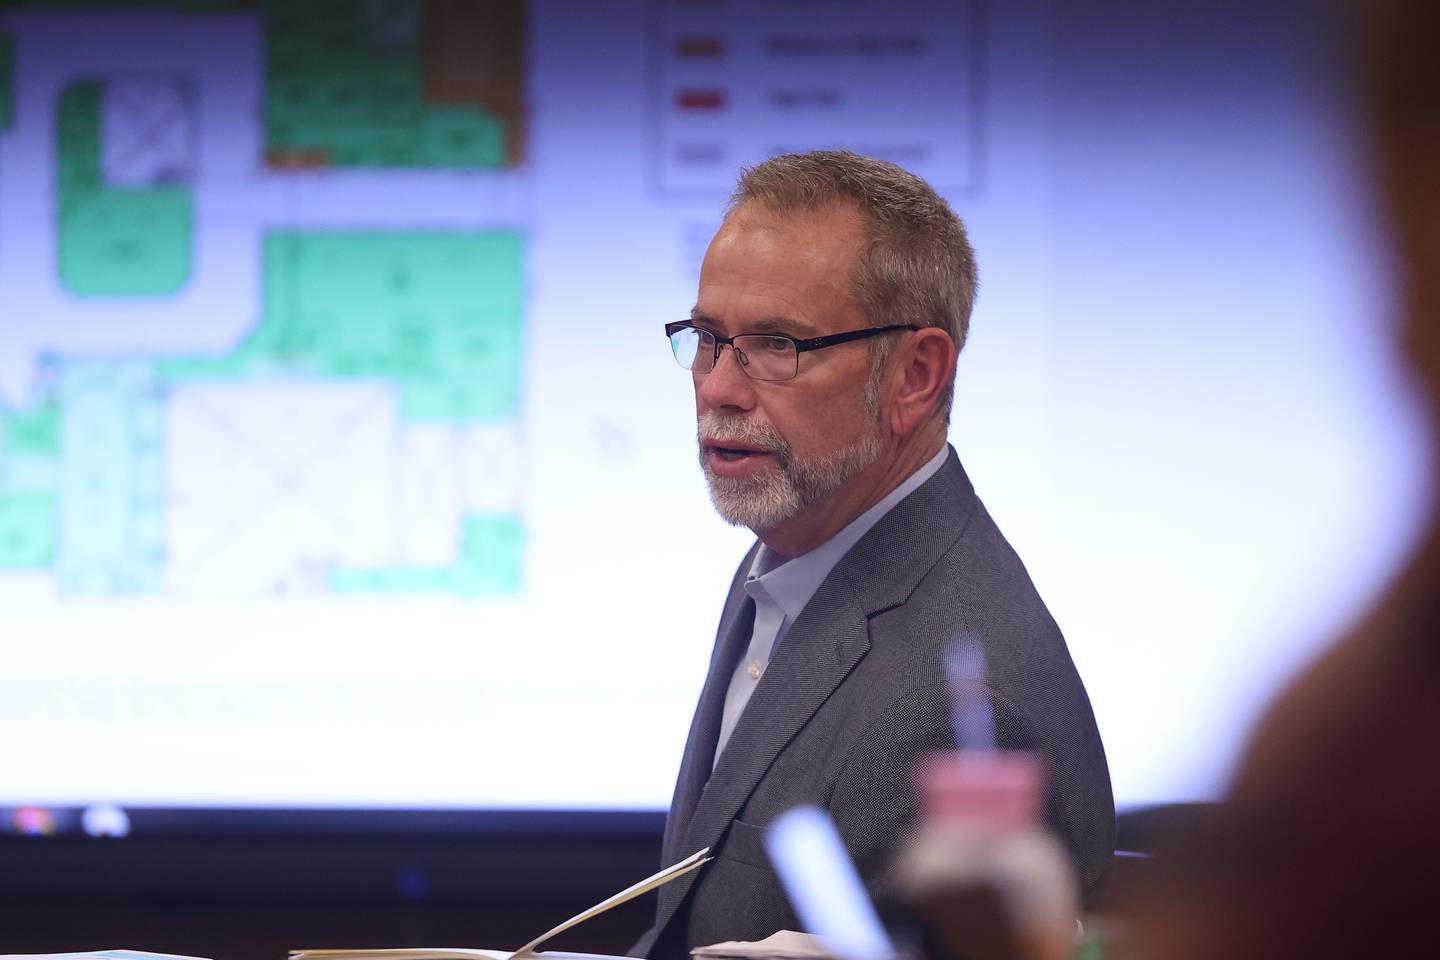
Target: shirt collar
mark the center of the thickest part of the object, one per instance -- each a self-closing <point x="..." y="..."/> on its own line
<point x="792" y="583"/>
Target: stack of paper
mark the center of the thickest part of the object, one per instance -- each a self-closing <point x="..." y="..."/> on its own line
<point x="441" y="953"/>
<point x="781" y="945"/>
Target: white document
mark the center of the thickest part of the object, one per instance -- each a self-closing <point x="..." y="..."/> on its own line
<point x="781" y="945"/>
<point x="98" y="955"/>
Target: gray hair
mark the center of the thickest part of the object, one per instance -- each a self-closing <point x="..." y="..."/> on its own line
<point x="917" y="266"/>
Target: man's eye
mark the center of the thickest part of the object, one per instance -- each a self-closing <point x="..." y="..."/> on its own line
<point x="778" y="345"/>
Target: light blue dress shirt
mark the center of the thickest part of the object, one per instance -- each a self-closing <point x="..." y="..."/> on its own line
<point x="781" y="590"/>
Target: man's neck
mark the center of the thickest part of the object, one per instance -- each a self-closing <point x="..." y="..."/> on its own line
<point x="818" y="523"/>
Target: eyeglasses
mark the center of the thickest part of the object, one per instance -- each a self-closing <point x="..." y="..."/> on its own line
<point x="764" y="356"/>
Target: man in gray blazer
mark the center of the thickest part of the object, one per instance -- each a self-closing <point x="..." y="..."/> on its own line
<point x="832" y="304"/>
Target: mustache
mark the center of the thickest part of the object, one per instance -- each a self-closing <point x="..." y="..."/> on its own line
<point x="761" y="436"/>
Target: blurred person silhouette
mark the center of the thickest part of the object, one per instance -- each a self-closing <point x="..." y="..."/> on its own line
<point x="1329" y="841"/>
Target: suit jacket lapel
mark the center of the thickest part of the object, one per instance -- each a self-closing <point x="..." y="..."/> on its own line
<point x="733" y="636"/>
<point x="824" y="644"/>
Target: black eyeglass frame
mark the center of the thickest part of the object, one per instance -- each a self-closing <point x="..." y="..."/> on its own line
<point x="801" y="346"/>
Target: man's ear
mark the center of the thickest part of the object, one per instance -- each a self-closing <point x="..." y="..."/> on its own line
<point x="923" y="365"/>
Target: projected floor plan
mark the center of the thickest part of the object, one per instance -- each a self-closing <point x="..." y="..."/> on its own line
<point x="252" y="378"/>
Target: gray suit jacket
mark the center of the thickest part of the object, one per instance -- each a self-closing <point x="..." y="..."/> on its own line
<point x="854" y="695"/>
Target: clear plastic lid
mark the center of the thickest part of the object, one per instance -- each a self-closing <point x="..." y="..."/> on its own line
<point x="999" y="788"/>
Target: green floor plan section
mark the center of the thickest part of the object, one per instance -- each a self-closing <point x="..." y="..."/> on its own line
<point x="253" y="358"/>
<point x="29" y="452"/>
<point x="437" y="312"/>
<point x="114" y="241"/>
<point x="27" y="530"/>
<point x="490" y="563"/>
<point x="35" y="432"/>
<point x="346" y="87"/>
<point x="435" y="315"/>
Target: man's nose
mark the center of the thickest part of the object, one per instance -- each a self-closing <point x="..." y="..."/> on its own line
<point x="727" y="386"/>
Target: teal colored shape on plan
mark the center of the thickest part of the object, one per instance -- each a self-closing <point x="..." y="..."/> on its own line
<point x="492" y="554"/>
<point x="35" y="431"/>
<point x="436" y="312"/>
<point x="27" y="530"/>
<point x="131" y="241"/>
<point x="490" y="563"/>
<point x="462" y="136"/>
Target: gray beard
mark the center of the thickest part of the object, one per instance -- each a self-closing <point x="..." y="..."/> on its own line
<point x="771" y="497"/>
